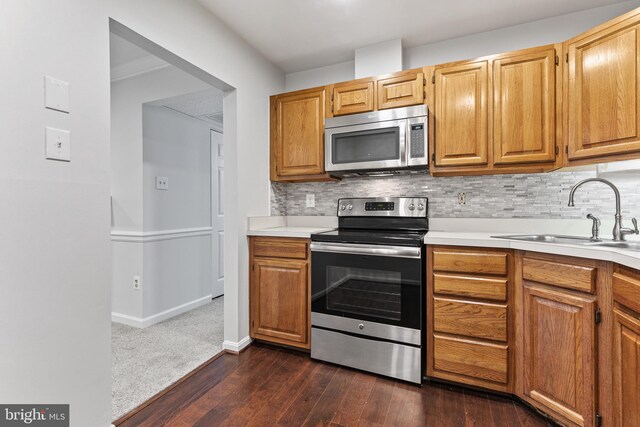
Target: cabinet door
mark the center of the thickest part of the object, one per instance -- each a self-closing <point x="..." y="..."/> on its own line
<point x="524" y="127"/>
<point x="280" y="301"/>
<point x="299" y="145"/>
<point x="559" y="353"/>
<point x="350" y="98"/>
<point x="626" y="369"/>
<point x="603" y="92"/>
<point x="461" y="114"/>
<point x="401" y="91"/>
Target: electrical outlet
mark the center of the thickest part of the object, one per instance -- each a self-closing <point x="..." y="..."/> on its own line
<point x="311" y="200"/>
<point x="462" y="199"/>
<point x="162" y="183"/>
<point x="136" y="283"/>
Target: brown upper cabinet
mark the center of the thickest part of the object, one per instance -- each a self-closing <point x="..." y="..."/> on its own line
<point x="353" y="97"/>
<point x="524" y="103"/>
<point x="603" y="91"/>
<point x="461" y="99"/>
<point x="532" y="110"/>
<point x="497" y="114"/>
<point x="297" y="135"/>
<point x="401" y="90"/>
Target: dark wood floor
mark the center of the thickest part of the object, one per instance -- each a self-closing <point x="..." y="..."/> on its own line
<point x="268" y="386"/>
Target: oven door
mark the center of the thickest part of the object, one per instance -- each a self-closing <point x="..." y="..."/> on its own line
<point x="381" y="284"/>
<point x="380" y="145"/>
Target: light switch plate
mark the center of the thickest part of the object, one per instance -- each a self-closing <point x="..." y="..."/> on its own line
<point x="56" y="94"/>
<point x="162" y="183"/>
<point x="58" y="144"/>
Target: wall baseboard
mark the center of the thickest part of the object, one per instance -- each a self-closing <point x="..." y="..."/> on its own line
<point x="236" y="347"/>
<point x="144" y="322"/>
<point x="154" y="236"/>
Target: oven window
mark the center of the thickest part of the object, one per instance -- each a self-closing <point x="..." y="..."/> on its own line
<point x="366" y="146"/>
<point x="364" y="292"/>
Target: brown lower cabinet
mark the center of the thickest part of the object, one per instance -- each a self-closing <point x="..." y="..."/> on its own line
<point x="279" y="291"/>
<point x="626" y="347"/>
<point x="561" y="333"/>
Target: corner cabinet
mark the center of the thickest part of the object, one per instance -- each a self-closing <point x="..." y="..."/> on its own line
<point x="280" y="291"/>
<point x="498" y="114"/>
<point x="297" y="136"/>
<point x="559" y="339"/>
<point x="626" y="347"/>
<point x="603" y="92"/>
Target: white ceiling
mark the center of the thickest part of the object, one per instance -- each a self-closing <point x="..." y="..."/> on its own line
<point x="301" y="34"/>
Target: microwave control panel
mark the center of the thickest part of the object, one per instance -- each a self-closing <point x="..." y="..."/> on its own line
<point x="417" y="141"/>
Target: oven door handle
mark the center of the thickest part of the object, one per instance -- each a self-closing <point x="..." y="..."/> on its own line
<point x="375" y="250"/>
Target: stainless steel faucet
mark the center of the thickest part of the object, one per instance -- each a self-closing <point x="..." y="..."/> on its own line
<point x="595" y="228"/>
<point x="619" y="232"/>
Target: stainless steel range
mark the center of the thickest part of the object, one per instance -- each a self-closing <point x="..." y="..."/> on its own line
<point x="368" y="287"/>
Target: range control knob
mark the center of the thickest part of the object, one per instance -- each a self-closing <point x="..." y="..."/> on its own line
<point x="350" y="207"/>
<point x="342" y="207"/>
<point x="420" y="207"/>
<point x="411" y="207"/>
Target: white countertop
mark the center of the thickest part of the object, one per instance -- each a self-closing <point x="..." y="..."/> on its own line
<point x="301" y="232"/>
<point x="290" y="226"/>
<point x="469" y="232"/>
<point x="483" y="239"/>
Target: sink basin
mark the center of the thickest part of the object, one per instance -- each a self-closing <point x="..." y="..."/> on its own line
<point x="549" y="238"/>
<point x="632" y="246"/>
<point x="572" y="240"/>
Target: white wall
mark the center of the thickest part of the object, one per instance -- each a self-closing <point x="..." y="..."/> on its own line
<point x="127" y="181"/>
<point x="127" y="97"/>
<point x="321" y="76"/>
<point x="537" y="33"/>
<point x="55" y="217"/>
<point x="545" y="31"/>
<point x="211" y="46"/>
<point x="177" y="271"/>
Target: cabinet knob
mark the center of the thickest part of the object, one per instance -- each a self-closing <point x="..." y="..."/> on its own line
<point x="361" y="326"/>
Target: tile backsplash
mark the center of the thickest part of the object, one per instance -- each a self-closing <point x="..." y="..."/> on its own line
<point x="542" y="195"/>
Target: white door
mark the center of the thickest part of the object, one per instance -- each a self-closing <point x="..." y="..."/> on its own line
<point x="217" y="212"/>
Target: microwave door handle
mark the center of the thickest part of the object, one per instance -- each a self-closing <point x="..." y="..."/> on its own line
<point x="405" y="137"/>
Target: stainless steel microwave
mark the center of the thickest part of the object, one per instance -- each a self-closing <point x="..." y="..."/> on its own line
<point x="392" y="139"/>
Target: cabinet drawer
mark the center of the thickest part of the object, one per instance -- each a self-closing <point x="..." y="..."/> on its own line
<point x="626" y="289"/>
<point x="470" y="261"/>
<point x="469" y="358"/>
<point x="473" y="319"/>
<point x="472" y="287"/>
<point x="280" y="248"/>
<point x="580" y="278"/>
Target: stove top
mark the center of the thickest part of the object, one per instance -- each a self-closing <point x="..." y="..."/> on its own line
<point x="377" y="237"/>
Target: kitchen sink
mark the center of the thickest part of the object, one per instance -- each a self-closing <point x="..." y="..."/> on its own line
<point x="572" y="240"/>
<point x="632" y="246"/>
<point x="549" y="238"/>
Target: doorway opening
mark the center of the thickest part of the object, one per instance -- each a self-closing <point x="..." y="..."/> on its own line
<point x="167" y="212"/>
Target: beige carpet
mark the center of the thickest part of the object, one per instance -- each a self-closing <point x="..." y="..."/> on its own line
<point x="146" y="361"/>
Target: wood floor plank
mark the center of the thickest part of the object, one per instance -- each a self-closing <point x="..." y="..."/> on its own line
<point x="451" y="408"/>
<point x="352" y="404"/>
<point x="280" y="401"/>
<point x="182" y="395"/>
<point x="308" y="396"/>
<point x="404" y="408"/>
<point x="210" y="400"/>
<point x="327" y="406"/>
<point x="377" y="406"/>
<point x="476" y="410"/>
<point x="268" y="386"/>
